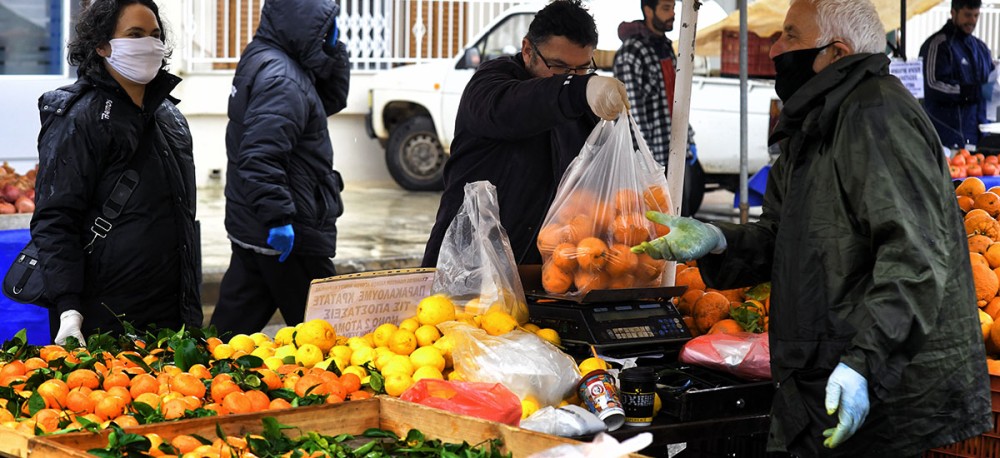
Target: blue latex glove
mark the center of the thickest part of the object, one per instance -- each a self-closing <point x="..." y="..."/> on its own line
<point x="282" y="238"/>
<point x="331" y="39"/>
<point x="694" y="154"/>
<point x="688" y="238"/>
<point x="846" y="392"/>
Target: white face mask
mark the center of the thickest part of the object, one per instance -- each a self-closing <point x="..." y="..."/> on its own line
<point x="137" y="59"/>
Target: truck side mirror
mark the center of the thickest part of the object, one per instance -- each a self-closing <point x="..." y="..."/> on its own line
<point x="471" y="58"/>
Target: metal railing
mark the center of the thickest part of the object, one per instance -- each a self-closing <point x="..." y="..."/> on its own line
<point x="379" y="34"/>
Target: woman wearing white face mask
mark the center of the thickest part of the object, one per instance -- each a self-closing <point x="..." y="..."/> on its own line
<point x="114" y="218"/>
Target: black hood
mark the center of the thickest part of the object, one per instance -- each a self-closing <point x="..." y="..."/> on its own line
<point x="300" y="28"/>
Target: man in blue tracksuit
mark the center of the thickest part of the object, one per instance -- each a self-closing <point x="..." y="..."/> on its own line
<point x="957" y="67"/>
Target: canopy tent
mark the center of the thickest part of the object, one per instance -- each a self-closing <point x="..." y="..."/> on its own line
<point x="765" y="17"/>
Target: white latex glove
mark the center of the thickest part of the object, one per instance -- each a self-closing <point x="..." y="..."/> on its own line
<point x="846" y="391"/>
<point x="69" y="325"/>
<point x="606" y="96"/>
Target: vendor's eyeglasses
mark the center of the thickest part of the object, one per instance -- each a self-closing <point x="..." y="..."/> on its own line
<point x="563" y="69"/>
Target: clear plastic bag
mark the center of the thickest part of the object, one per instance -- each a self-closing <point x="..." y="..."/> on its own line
<point x="475" y="267"/>
<point x="489" y="401"/>
<point x="599" y="213"/>
<point x="744" y="354"/>
<point x="521" y="361"/>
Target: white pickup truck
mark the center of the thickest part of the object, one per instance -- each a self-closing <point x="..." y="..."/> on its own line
<point x="413" y="107"/>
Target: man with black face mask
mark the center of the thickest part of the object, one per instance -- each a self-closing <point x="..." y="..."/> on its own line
<point x="875" y="340"/>
<point x="282" y="193"/>
<point x="957" y="68"/>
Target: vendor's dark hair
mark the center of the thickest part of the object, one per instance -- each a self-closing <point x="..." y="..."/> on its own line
<point x="565" y="18"/>
<point x="96" y="26"/>
<point x="970" y="4"/>
<point x="652" y="4"/>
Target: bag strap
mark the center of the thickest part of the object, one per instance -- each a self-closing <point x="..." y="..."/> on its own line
<point x="120" y="194"/>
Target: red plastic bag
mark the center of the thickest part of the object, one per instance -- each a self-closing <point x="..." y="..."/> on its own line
<point x="744" y="354"/>
<point x="489" y="401"/>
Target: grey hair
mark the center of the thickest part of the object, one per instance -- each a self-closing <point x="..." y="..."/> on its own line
<point x="855" y="22"/>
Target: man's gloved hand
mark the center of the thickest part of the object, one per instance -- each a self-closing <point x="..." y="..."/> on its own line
<point x="331" y="39"/>
<point x="282" y="238"/>
<point x="606" y="96"/>
<point x="693" y="154"/>
<point x="69" y="326"/>
<point x="688" y="238"/>
<point x="846" y="391"/>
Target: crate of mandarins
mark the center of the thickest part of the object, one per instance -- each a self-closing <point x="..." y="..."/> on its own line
<point x="598" y="214"/>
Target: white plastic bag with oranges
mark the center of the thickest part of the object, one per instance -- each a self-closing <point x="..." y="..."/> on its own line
<point x="599" y="213"/>
<point x="475" y="267"/>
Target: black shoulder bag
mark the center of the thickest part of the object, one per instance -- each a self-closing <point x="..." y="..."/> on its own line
<point x="24" y="283"/>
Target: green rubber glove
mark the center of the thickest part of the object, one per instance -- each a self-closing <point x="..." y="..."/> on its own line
<point x="688" y="238"/>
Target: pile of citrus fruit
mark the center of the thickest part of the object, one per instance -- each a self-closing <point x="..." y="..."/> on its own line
<point x="708" y="311"/>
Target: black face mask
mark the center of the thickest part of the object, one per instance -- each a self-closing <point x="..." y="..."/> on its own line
<point x="793" y="69"/>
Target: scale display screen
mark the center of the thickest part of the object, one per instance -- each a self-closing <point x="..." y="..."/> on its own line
<point x="631" y="314"/>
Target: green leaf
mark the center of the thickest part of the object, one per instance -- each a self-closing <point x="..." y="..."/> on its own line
<point x="187" y="354"/>
<point x="139" y="362"/>
<point x="35" y="403"/>
<point x="249" y="361"/>
<point x="760" y="292"/>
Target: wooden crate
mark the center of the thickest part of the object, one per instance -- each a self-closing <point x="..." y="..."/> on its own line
<point x="14" y="443"/>
<point x="349" y="417"/>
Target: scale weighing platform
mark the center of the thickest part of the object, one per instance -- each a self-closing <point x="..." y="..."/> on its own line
<point x="613" y="319"/>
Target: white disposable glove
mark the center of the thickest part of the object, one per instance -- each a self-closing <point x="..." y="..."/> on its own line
<point x="688" y="239"/>
<point x="606" y="96"/>
<point x="69" y="325"/>
<point x="846" y="392"/>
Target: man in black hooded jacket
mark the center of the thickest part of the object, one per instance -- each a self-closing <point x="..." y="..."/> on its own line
<point x="281" y="190"/>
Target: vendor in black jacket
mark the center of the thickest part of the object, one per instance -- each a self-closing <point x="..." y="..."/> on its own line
<point x="282" y="194"/>
<point x="142" y="266"/>
<point x="522" y="120"/>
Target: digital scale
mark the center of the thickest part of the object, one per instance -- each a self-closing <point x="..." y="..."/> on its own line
<point x="613" y="319"/>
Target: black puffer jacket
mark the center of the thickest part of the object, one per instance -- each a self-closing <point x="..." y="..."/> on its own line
<point x="280" y="168"/>
<point x="147" y="267"/>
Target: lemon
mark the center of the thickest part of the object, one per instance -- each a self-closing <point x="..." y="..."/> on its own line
<point x="593" y="364"/>
<point x="435" y="309"/>
<point x="475" y="306"/>
<point x="368" y="338"/>
<point x="409" y="324"/>
<point x="531" y="327"/>
<point x="446" y="344"/>
<point x="550" y="335"/>
<point x="273" y="362"/>
<point x="381" y="360"/>
<point x="657" y="403"/>
<point x="242" y="342"/>
<point x="223" y="351"/>
<point x="362" y="355"/>
<point x="324" y="364"/>
<point x="428" y="356"/>
<point x="467" y="318"/>
<point x="341" y="351"/>
<point x="267" y="344"/>
<point x="284" y="351"/>
<point x="317" y="332"/>
<point x="497" y="323"/>
<point x="427" y="335"/>
<point x="357" y="342"/>
<point x="397" y="383"/>
<point x="529" y="405"/>
<point x="356" y="370"/>
<point x="397" y="367"/>
<point x="383" y="333"/>
<point x="427" y="372"/>
<point x="402" y="342"/>
<point x="262" y="352"/>
<point x="456" y="376"/>
<point x="259" y="338"/>
<point x="308" y="355"/>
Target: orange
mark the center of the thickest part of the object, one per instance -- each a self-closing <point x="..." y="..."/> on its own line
<point x="270" y="378"/>
<point x="581" y="227"/>
<point x="143" y="383"/>
<point x="630" y="228"/>
<point x="970" y="187"/>
<point x="52" y="352"/>
<point x="191" y="402"/>
<point x="311" y="383"/>
<point x="278" y="404"/>
<point x="360" y="394"/>
<point x="212" y="342"/>
<point x="14" y="381"/>
<point x="709" y="309"/>
<point x="34" y="363"/>
<point x="237" y="402"/>
<point x="78" y="400"/>
<point x="126" y="421"/>
<point x="591" y="254"/>
<point x="564" y="256"/>
<point x="258" y="400"/>
<point x="649" y="269"/>
<point x="110" y="407"/>
<point x="154" y="444"/>
<point x="47" y="419"/>
<point x="200" y="371"/>
<point x="656" y="198"/>
<point x="116" y="378"/>
<point x="217" y="408"/>
<point x="685" y="303"/>
<point x="173" y="409"/>
<point x="690" y="277"/>
<point x="223" y="388"/>
<point x="15" y="367"/>
<point x="621" y="260"/>
<point x="83" y="377"/>
<point x="334" y="399"/>
<point x="351" y="382"/>
<point x="150" y="399"/>
<point x="725" y="326"/>
<point x="54" y="392"/>
<point x="555" y="280"/>
<point x="188" y="385"/>
<point x="552" y="235"/>
<point x="966" y="203"/>
<point x="627" y="201"/>
<point x="588" y="281"/>
<point x="988" y="202"/>
<point x="184" y="443"/>
<point x="621" y="281"/>
<point x="121" y="392"/>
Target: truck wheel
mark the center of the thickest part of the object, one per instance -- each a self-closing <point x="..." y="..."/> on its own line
<point x="694" y="189"/>
<point x="414" y="155"/>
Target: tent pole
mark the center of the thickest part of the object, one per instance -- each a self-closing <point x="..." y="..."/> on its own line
<point x="902" y="30"/>
<point x="744" y="172"/>
<point x="682" y="105"/>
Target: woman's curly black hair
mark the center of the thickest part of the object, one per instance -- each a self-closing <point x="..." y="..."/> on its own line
<point x="96" y="26"/>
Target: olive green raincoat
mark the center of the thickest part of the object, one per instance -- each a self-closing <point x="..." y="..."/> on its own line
<point x="863" y="241"/>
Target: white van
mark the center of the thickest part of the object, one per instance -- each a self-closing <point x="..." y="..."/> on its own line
<point x="413" y="107"/>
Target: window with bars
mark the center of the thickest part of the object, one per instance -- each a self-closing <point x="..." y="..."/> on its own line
<point x="32" y="36"/>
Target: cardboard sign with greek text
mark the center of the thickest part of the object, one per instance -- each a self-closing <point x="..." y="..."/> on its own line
<point x="358" y="303"/>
